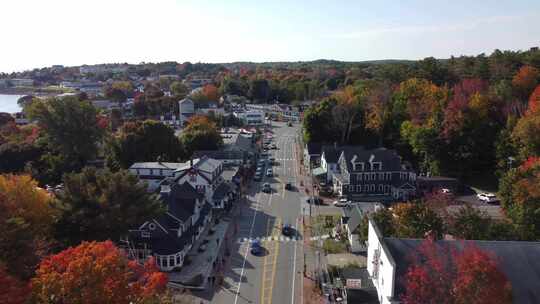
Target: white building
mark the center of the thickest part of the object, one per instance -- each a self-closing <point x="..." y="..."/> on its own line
<point x="186" y="109"/>
<point x="154" y="172"/>
<point x="251" y="117"/>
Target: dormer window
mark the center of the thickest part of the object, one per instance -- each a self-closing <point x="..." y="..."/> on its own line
<point x="376" y="166"/>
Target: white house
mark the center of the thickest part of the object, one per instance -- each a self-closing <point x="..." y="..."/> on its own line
<point x="251" y="117"/>
<point x="186" y="109"/>
<point x="154" y="172"/>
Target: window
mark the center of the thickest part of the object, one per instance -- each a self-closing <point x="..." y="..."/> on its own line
<point x="358" y="188"/>
<point x="171" y="261"/>
<point x="359" y="176"/>
<point x="351" y="188"/>
<point x="373" y="176"/>
<point x="151" y="171"/>
<point x="376" y="166"/>
<point x="381" y="188"/>
<point x="367" y="176"/>
<point x="381" y="176"/>
<point x="165" y="262"/>
<point x="372" y="188"/>
<point x="145" y="234"/>
<point x="366" y="188"/>
<point x="178" y="259"/>
<point x="388" y="175"/>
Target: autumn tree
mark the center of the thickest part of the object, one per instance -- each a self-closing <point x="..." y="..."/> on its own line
<point x="416" y="220"/>
<point x="201" y="134"/>
<point x="445" y="273"/>
<point x="525" y="81"/>
<point x="347" y="112"/>
<point x="378" y="109"/>
<point x="26" y="219"/>
<point x="96" y="272"/>
<point x="143" y="141"/>
<point x="12" y="290"/>
<point x="211" y="92"/>
<point x="100" y="205"/>
<point x="469" y="223"/>
<point x="317" y="124"/>
<point x="519" y="191"/>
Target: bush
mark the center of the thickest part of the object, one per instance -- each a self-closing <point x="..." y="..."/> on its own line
<point x="333" y="246"/>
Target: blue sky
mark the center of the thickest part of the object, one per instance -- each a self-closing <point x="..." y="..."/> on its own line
<point x="40" y="33"/>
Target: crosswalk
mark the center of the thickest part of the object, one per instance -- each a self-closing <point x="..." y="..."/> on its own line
<point x="281" y="238"/>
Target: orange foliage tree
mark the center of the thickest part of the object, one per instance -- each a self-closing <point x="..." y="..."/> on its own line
<point x="211" y="92"/>
<point x="525" y="80"/>
<point x="26" y="218"/>
<point x="96" y="272"/>
<point x="442" y="274"/>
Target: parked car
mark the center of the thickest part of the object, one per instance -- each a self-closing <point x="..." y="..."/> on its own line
<point x="341" y="203"/>
<point x="487" y="197"/>
<point x="272" y="160"/>
<point x="273" y="146"/>
<point x="287" y="230"/>
<point x="289" y="124"/>
<point x="256" y="247"/>
<point x="266" y="188"/>
<point x="269" y="172"/>
<point x="315" y="200"/>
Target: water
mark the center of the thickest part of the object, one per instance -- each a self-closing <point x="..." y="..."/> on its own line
<point x="8" y="103"/>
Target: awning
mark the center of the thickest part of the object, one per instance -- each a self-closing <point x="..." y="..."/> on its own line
<point x="318" y="171"/>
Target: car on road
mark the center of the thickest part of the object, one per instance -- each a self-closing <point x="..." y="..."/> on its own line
<point x="288" y="186"/>
<point x="487" y="197"/>
<point x="341" y="203"/>
<point x="272" y="160"/>
<point x="287" y="230"/>
<point x="289" y="124"/>
<point x="269" y="172"/>
<point x="273" y="146"/>
<point x="314" y="200"/>
<point x="256" y="247"/>
<point x="266" y="188"/>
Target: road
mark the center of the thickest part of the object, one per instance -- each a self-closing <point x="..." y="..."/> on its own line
<point x="276" y="275"/>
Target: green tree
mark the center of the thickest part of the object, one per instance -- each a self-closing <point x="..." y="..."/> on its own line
<point x="69" y="127"/>
<point x="519" y="191"/>
<point x="470" y="224"/>
<point x="385" y="222"/>
<point x="317" y="123"/>
<point x="179" y="90"/>
<point x="416" y="220"/>
<point x="101" y="205"/>
<point x="143" y="141"/>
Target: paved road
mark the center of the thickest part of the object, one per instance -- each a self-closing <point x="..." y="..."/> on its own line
<point x="276" y="275"/>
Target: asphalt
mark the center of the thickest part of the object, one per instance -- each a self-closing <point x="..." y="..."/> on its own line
<point x="276" y="275"/>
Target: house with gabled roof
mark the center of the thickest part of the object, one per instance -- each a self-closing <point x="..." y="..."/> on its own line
<point x="170" y="237"/>
<point x="373" y="174"/>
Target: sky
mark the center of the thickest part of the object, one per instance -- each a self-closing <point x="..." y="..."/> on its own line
<point x="37" y="33"/>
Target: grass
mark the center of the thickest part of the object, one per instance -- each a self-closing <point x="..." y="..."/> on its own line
<point x="334" y="246"/>
<point x="325" y="224"/>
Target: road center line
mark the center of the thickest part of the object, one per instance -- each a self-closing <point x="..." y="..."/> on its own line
<point x="247" y="250"/>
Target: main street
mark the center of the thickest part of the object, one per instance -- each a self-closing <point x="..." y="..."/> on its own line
<point x="276" y="275"/>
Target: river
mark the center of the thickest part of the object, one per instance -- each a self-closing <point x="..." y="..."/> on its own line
<point x="8" y="103"/>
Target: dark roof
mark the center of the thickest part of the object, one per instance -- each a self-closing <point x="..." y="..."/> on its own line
<point x="220" y="154"/>
<point x="389" y="158"/>
<point x="181" y="201"/>
<point x="332" y="152"/>
<point x="517" y="260"/>
<point x="355" y="212"/>
<point x="314" y="148"/>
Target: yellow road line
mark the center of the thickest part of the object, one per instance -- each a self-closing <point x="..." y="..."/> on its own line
<point x="277" y="231"/>
<point x="263" y="283"/>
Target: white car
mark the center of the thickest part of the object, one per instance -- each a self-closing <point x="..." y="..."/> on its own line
<point x="341" y="203"/>
<point x="487" y="197"/>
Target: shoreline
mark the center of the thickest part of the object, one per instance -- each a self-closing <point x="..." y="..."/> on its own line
<point x="39" y="91"/>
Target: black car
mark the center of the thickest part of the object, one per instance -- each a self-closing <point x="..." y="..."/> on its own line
<point x="315" y="200"/>
<point x="287" y="230"/>
<point x="288" y="186"/>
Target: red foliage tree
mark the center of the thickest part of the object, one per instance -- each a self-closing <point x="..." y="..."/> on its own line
<point x="96" y="272"/>
<point x="12" y="290"/>
<point x="455" y="112"/>
<point x="440" y="273"/>
<point x="479" y="280"/>
<point x="534" y="101"/>
<point x="211" y="92"/>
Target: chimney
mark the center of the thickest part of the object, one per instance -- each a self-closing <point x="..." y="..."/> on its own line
<point x="335" y="145"/>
